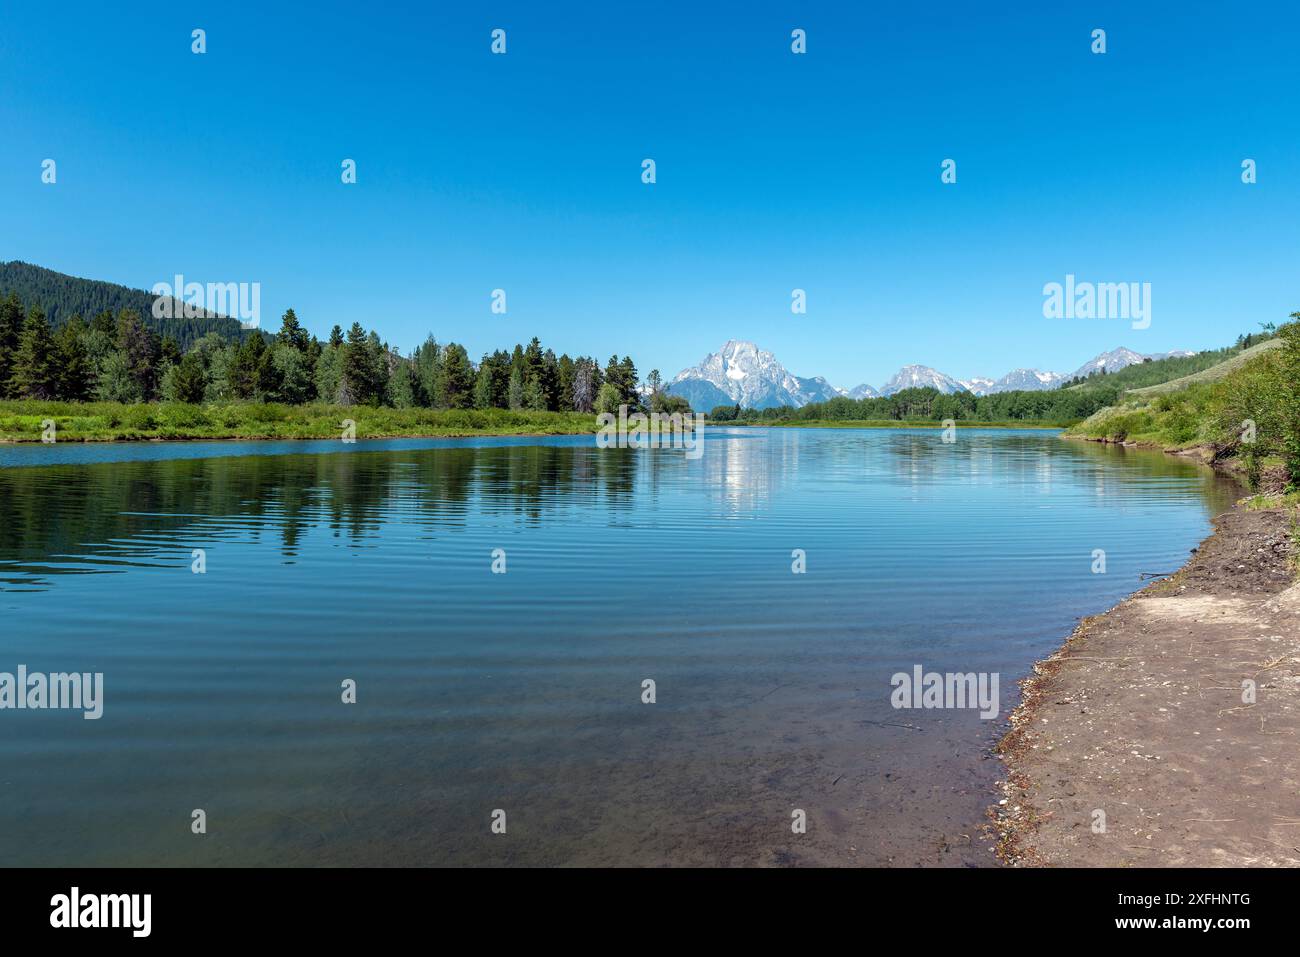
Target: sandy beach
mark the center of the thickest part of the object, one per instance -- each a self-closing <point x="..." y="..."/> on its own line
<point x="1164" y="732"/>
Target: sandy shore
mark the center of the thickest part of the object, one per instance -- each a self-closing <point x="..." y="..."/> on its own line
<point x="1142" y="717"/>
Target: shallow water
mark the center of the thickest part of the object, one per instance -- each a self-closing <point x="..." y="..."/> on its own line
<point x="523" y="691"/>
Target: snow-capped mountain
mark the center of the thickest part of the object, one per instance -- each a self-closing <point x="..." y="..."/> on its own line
<point x="1111" y="361"/>
<point x="919" y="377"/>
<point x="740" y="372"/>
<point x="978" y="385"/>
<point x="1027" y="380"/>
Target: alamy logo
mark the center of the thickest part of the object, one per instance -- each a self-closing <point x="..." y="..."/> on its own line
<point x="190" y="300"/>
<point x="655" y="431"/>
<point x="56" y="691"/>
<point x="1101" y="300"/>
<point x="930" y="689"/>
<point x="75" y="909"/>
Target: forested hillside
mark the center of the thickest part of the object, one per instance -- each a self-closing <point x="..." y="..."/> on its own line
<point x="1157" y="371"/>
<point x="61" y="297"/>
<point x="1251" y="414"/>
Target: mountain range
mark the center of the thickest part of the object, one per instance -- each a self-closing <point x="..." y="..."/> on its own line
<point x="742" y="373"/>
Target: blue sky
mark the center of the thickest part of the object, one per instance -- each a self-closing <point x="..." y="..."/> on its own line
<point x="775" y="171"/>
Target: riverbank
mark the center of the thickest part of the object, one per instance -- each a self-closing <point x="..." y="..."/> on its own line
<point x="1164" y="732"/>
<point x="26" y="421"/>
<point x="894" y="424"/>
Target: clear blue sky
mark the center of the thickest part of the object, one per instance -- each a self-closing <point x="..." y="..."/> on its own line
<point x="775" y="171"/>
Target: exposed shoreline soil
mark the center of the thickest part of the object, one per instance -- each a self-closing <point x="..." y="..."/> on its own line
<point x="1137" y="744"/>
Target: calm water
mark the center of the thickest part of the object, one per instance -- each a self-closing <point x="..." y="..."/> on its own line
<point x="522" y="691"/>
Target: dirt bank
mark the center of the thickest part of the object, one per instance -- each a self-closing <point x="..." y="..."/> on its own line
<point x="1142" y="717"/>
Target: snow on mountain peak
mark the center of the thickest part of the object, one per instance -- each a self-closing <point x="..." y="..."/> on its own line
<point x="919" y="377"/>
<point x="740" y="372"/>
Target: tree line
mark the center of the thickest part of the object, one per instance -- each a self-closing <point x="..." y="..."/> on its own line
<point x="119" y="358"/>
<point x="926" y="404"/>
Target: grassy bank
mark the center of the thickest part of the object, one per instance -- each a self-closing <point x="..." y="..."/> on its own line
<point x="1246" y="418"/>
<point x="896" y="424"/>
<point x="21" y="421"/>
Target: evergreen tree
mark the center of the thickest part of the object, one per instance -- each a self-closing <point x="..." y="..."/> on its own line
<point x="515" y="395"/>
<point x="403" y="388"/>
<point x="245" y="367"/>
<point x="328" y="375"/>
<point x="143" y="352"/>
<point x="535" y="396"/>
<point x="533" y="360"/>
<point x="105" y="323"/>
<point x="428" y="371"/>
<point x="550" y="381"/>
<point x="269" y="377"/>
<point x="483" y="385"/>
<point x="73" y="363"/>
<point x="564" y="396"/>
<point x="188" y="382"/>
<point x="336" y="337"/>
<point x="628" y="385"/>
<point x="357" y="385"/>
<point x="457" y="377"/>
<point x="169" y="351"/>
<point x="622" y="376"/>
<point x="381" y="368"/>
<point x="291" y="333"/>
<point x="35" y="373"/>
<point x="11" y="325"/>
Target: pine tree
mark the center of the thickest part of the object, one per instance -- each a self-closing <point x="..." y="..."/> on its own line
<point x="381" y="369"/>
<point x="35" y="372"/>
<point x="328" y="375"/>
<point x="73" y="361"/>
<point x="188" y="380"/>
<point x="11" y="325"/>
<point x="291" y="333"/>
<point x="535" y="396"/>
<point x="269" y="377"/>
<point x="564" y="397"/>
<point x="170" y="351"/>
<point x="515" y="395"/>
<point x="143" y="352"/>
<point x="457" y="377"/>
<point x="628" y="385"/>
<point x="358" y="369"/>
<point x="550" y="381"/>
<point x="483" y="385"/>
<point x="245" y="366"/>
<point x="428" y="370"/>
